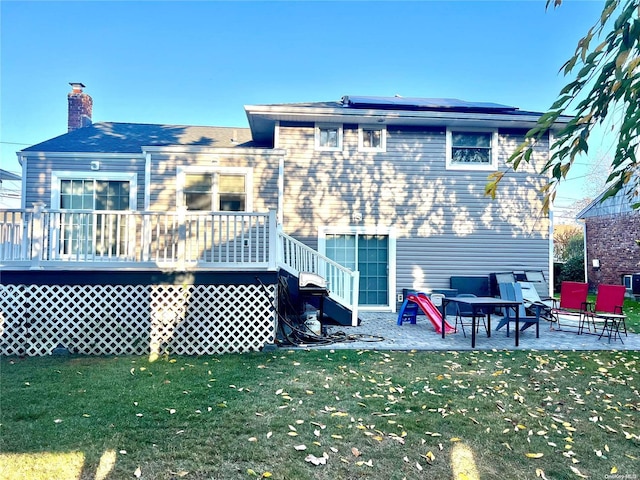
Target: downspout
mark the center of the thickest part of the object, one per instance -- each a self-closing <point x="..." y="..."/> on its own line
<point x="280" y="208"/>
<point x="147" y="182"/>
<point x="280" y="191"/>
<point x="146" y="236"/>
<point x="584" y="246"/>
<point x="552" y="280"/>
<point x="22" y="160"/>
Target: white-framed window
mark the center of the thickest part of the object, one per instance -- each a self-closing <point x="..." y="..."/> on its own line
<point x="78" y="232"/>
<point x="472" y="149"/>
<point x="221" y="189"/>
<point x="328" y="137"/>
<point x="93" y="190"/>
<point x="372" y="138"/>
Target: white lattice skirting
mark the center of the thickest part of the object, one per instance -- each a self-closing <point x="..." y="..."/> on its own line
<point x="136" y="319"/>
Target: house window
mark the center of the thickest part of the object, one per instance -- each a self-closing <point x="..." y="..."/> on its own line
<point x="328" y="137"/>
<point x="220" y="190"/>
<point x="88" y="233"/>
<point x="372" y="139"/>
<point x="232" y="193"/>
<point x="471" y="150"/>
<point x="93" y="194"/>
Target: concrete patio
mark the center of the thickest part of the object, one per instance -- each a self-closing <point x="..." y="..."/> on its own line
<point x="379" y="331"/>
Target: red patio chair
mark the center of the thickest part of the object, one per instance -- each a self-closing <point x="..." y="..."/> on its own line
<point x="608" y="307"/>
<point x="573" y="303"/>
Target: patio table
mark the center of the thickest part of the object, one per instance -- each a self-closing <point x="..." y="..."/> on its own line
<point x="611" y="325"/>
<point x="478" y="304"/>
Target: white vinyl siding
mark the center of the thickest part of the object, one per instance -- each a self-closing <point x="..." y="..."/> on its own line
<point x="445" y="224"/>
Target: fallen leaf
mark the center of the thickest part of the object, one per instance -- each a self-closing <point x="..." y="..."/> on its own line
<point x="534" y="455"/>
<point x="300" y="447"/>
<point x="355" y="451"/>
<point x="137" y="473"/>
<point x="315" y="460"/>
<point x="181" y="473"/>
<point x="540" y="474"/>
<point x="577" y="472"/>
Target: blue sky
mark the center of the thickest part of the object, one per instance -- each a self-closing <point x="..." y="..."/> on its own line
<point x="199" y="62"/>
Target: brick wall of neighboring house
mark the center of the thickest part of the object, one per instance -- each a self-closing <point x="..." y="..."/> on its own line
<point x="612" y="240"/>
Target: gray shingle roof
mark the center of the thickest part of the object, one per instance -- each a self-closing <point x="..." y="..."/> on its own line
<point x="111" y="137"/>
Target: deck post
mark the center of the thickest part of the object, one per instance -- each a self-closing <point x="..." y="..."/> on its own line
<point x="36" y="232"/>
<point x="355" y="298"/>
<point x="182" y="238"/>
<point x="273" y="240"/>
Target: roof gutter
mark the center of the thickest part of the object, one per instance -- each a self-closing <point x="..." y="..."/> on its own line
<point x="262" y="118"/>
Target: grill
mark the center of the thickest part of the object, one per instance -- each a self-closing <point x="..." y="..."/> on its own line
<point x="311" y="282"/>
<point x="313" y="285"/>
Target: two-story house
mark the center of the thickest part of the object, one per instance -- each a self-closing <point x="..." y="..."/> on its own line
<point x="375" y="194"/>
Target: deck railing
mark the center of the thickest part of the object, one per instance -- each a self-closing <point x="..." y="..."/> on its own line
<point x="39" y="238"/>
<point x="295" y="257"/>
<point x="42" y="238"/>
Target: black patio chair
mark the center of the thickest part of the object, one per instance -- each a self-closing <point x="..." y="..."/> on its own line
<point x="464" y="315"/>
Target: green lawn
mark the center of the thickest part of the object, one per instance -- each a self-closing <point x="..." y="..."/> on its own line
<point x="322" y="415"/>
<point x="632" y="310"/>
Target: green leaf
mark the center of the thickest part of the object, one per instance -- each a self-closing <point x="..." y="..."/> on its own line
<point x="568" y="66"/>
<point x="622" y="58"/>
<point x="561" y="101"/>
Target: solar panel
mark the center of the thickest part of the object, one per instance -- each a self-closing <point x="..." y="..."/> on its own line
<point x="415" y="103"/>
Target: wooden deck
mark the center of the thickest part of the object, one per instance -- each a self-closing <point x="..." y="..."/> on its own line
<point x="48" y="240"/>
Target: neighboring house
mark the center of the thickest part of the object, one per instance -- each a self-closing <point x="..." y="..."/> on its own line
<point x="9" y="189"/>
<point x="389" y="187"/>
<point x="611" y="233"/>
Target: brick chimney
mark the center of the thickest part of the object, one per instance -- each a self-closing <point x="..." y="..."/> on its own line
<point x="80" y="107"/>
